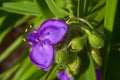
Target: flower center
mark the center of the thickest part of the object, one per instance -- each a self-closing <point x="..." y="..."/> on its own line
<point x="32" y="38"/>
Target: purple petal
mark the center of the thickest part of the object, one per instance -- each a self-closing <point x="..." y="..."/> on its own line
<point x="42" y="55"/>
<point x="53" y="30"/>
<point x="63" y="76"/>
<point x="98" y="74"/>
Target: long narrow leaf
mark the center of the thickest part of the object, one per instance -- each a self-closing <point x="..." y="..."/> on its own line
<point x="55" y="10"/>
<point x="108" y="25"/>
<point x="7" y="74"/>
<point x="24" y="66"/>
<point x="89" y="74"/>
<point x="24" y="7"/>
<point x="10" y="48"/>
<point x="46" y="13"/>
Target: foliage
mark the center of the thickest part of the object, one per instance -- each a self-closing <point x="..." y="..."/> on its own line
<point x="16" y="15"/>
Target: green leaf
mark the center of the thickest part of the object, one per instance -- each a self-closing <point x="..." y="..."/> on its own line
<point x="24" y="7"/>
<point x="36" y="74"/>
<point x="28" y="71"/>
<point x="9" y="21"/>
<point x="96" y="17"/>
<point x="89" y="74"/>
<point x="24" y="66"/>
<point x="111" y="6"/>
<point x="3" y="34"/>
<point x="55" y="10"/>
<point x="98" y="6"/>
<point x="82" y="7"/>
<point x="91" y="70"/>
<point x="110" y="12"/>
<point x="7" y="74"/>
<point x="52" y="73"/>
<point x="17" y="20"/>
<point x="10" y="48"/>
<point x="65" y="5"/>
<point x="46" y="13"/>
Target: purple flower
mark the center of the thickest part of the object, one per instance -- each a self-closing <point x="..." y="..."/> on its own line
<point x="98" y="74"/>
<point x="42" y="41"/>
<point x="63" y="76"/>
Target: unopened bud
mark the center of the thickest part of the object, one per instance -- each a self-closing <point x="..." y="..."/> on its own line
<point x="77" y="43"/>
<point x="61" y="56"/>
<point x="96" y="57"/>
<point x="95" y="40"/>
<point x="73" y="65"/>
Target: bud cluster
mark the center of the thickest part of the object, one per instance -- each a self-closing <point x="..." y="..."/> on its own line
<point x="80" y="36"/>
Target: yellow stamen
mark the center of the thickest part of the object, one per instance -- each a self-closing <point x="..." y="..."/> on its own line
<point x="24" y="39"/>
<point x="26" y="30"/>
<point x="30" y="43"/>
<point x="30" y="26"/>
<point x="37" y="40"/>
<point x="35" y="31"/>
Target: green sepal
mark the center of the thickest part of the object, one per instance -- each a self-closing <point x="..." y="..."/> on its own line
<point x="61" y="56"/>
<point x="96" y="57"/>
<point x="73" y="65"/>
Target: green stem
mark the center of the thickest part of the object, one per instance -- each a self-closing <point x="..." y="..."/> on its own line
<point x="78" y="5"/>
<point x="53" y="68"/>
<point x="86" y="22"/>
<point x="75" y="21"/>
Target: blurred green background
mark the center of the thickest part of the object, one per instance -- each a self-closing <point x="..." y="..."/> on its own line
<point x="17" y="15"/>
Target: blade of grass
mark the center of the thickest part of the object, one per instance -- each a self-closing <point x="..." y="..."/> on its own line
<point x="52" y="73"/>
<point x="108" y="25"/>
<point x="78" y="8"/>
<point x="7" y="74"/>
<point x="82" y="7"/>
<point x="2" y="17"/>
<point x="9" y="27"/>
<point x="69" y="7"/>
<point x="28" y="73"/>
<point x="10" y="48"/>
<point x="9" y="21"/>
<point x="89" y="74"/>
<point x="24" y="66"/>
<point x="96" y="17"/>
<point x="38" y="74"/>
<point x="3" y="34"/>
<point x="43" y="8"/>
<point x="55" y="10"/>
<point x="22" y="7"/>
<point x="98" y="6"/>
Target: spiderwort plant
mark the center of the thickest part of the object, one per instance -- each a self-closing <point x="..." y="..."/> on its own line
<point x="42" y="41"/>
<point x="51" y="32"/>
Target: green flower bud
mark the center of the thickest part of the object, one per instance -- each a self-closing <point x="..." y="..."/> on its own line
<point x="73" y="65"/>
<point x="95" y="40"/>
<point x="61" y="56"/>
<point x="77" y="43"/>
<point x="69" y="72"/>
<point x="96" y="57"/>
